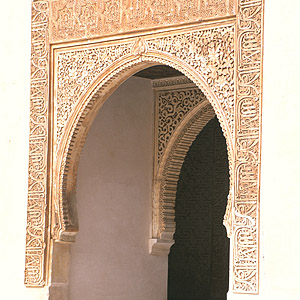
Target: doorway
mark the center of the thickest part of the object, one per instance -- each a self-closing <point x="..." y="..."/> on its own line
<point x="114" y="199"/>
<point x="198" y="267"/>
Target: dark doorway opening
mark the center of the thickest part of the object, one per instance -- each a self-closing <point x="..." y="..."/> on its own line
<point x="199" y="259"/>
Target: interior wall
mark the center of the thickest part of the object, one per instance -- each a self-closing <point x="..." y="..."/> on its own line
<point x="110" y="259"/>
<point x="280" y="162"/>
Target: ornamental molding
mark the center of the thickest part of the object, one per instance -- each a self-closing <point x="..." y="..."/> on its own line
<point x="182" y="111"/>
<point x="222" y="58"/>
<point x="176" y="81"/>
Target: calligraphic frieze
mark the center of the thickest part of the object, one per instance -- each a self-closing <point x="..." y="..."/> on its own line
<point x="78" y="19"/>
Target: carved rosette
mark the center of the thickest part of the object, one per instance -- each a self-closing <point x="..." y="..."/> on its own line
<point x="38" y="144"/>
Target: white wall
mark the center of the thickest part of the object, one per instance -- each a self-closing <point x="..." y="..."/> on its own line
<point x="280" y="195"/>
<point x="14" y="134"/>
<point x="280" y="201"/>
<point x="280" y="181"/>
<point x="110" y="259"/>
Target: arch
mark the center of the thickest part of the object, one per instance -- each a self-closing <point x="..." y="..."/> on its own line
<point x="226" y="39"/>
<point x="71" y="143"/>
<point x="165" y="185"/>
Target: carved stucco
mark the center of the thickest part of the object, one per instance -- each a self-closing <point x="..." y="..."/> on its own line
<point x="77" y="19"/>
<point x="185" y="128"/>
<point x="182" y="110"/>
<point x="38" y="146"/>
<point x="224" y="61"/>
<point x="173" y="104"/>
<point x="209" y="52"/>
<point x="69" y="106"/>
<point x="245" y="214"/>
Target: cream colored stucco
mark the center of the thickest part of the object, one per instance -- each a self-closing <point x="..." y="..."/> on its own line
<point x="280" y="203"/>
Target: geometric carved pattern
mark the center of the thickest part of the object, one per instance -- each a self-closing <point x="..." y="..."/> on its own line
<point x="78" y="19"/>
<point x="223" y="58"/>
<point x="199" y="259"/>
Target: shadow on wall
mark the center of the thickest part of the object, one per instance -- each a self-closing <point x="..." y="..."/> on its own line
<point x="110" y="259"/>
<point x="199" y="259"/>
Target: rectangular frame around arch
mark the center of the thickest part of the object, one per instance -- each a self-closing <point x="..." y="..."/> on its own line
<point x="56" y="23"/>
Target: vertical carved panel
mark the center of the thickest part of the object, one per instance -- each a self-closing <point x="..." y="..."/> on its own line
<point x="247" y="139"/>
<point x="181" y="112"/>
<point x="38" y="141"/>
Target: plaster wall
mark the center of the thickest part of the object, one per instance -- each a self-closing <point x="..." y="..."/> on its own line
<point x="280" y="165"/>
<point x="14" y="134"/>
<point x="110" y="259"/>
<point x="280" y="204"/>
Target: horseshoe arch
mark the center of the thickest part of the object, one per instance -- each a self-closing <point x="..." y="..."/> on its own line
<point x="222" y="57"/>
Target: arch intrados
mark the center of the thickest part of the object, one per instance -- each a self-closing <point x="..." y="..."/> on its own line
<point x="167" y="177"/>
<point x="84" y="113"/>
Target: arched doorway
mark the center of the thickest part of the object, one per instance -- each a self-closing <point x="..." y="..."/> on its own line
<point x="114" y="213"/>
<point x="67" y="77"/>
<point x="199" y="259"/>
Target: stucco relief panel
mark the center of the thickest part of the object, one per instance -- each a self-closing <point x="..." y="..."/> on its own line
<point x="209" y="52"/>
<point x="247" y="144"/>
<point x="173" y="106"/>
<point x="234" y="77"/>
<point x="77" y="19"/>
<point x="38" y="147"/>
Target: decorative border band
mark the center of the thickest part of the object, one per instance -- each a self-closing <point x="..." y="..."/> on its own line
<point x="242" y="113"/>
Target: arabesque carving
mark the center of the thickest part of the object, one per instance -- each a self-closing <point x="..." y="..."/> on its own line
<point x="223" y="58"/>
<point x="172" y="106"/>
<point x="181" y="113"/>
<point x="247" y="147"/>
<point x="210" y="52"/>
<point x="78" y="68"/>
<point x="78" y="19"/>
<point x="38" y="147"/>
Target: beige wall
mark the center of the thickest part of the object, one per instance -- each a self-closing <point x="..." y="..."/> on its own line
<point x="110" y="259"/>
<point x="280" y="201"/>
